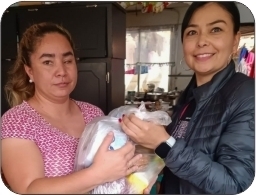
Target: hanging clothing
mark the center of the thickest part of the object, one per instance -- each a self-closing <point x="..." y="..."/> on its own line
<point x="131" y="71"/>
<point x="249" y="61"/>
<point x="243" y="53"/>
<point x="252" y="73"/>
<point x="242" y="67"/>
<point x="141" y="69"/>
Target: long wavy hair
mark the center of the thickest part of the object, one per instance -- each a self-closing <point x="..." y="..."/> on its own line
<point x="18" y="87"/>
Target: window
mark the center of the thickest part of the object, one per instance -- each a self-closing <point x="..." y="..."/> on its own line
<point x="148" y="57"/>
<point x="246" y="40"/>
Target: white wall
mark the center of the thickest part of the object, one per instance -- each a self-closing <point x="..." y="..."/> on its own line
<point x="168" y="17"/>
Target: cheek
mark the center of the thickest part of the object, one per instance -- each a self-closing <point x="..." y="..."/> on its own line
<point x="73" y="72"/>
<point x="220" y="45"/>
<point x="188" y="48"/>
<point x="42" y="75"/>
<point x="223" y="45"/>
<point x="188" y="52"/>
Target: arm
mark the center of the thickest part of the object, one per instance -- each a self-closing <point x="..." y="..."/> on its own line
<point x="233" y="170"/>
<point x="24" y="171"/>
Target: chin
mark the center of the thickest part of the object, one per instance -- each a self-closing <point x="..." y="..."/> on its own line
<point x="203" y="72"/>
<point x="202" y="69"/>
<point x="62" y="94"/>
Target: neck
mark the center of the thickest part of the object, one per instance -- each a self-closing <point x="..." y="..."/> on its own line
<point x="61" y="107"/>
<point x="205" y="78"/>
<point x="202" y="79"/>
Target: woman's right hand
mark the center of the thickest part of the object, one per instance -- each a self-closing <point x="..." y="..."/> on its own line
<point x="111" y="165"/>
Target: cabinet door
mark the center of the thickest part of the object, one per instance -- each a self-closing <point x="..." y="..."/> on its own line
<point x="5" y="67"/>
<point x="91" y="84"/>
<point x="8" y="35"/>
<point x="87" y="26"/>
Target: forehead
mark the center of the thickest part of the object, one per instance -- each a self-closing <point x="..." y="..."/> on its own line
<point x="209" y="13"/>
<point x="51" y="39"/>
<point x="52" y="42"/>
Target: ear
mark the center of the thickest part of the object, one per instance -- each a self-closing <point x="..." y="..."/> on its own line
<point x="236" y="41"/>
<point x="29" y="72"/>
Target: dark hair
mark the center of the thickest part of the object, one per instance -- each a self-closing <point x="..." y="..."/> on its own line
<point x="230" y="7"/>
<point x="18" y="87"/>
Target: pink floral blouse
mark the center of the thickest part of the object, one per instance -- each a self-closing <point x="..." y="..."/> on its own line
<point x="58" y="149"/>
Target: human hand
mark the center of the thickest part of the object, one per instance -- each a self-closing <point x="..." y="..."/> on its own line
<point x="113" y="165"/>
<point x="148" y="189"/>
<point x="144" y="133"/>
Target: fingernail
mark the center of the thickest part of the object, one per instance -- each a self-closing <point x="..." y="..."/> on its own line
<point x="110" y="133"/>
<point x="120" y="120"/>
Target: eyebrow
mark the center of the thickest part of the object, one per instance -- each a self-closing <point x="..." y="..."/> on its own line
<point x="209" y="24"/>
<point x="49" y="55"/>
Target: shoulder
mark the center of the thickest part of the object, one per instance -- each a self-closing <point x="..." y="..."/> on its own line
<point x="243" y="80"/>
<point x="17" y="122"/>
<point x="89" y="109"/>
<point x="239" y="88"/>
<point x="18" y="114"/>
<point x="245" y="88"/>
<point x="242" y="98"/>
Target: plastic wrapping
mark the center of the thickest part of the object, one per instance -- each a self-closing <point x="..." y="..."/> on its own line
<point x="95" y="132"/>
<point x="92" y="137"/>
<point x="157" y="117"/>
<point x="151" y="167"/>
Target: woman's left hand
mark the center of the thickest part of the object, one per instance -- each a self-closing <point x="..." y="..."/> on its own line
<point x="144" y="133"/>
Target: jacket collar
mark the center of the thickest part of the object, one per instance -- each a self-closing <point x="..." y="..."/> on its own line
<point x="210" y="88"/>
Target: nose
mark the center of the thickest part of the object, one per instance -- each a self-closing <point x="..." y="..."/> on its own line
<point x="61" y="70"/>
<point x="202" y="41"/>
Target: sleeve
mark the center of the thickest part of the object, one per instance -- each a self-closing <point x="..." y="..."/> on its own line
<point x="90" y="111"/>
<point x="233" y="170"/>
<point x="17" y="124"/>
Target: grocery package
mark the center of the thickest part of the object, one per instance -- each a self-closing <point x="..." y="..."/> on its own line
<point x="95" y="132"/>
<point x="151" y="167"/>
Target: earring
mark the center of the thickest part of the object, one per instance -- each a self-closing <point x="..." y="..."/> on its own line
<point x="183" y="65"/>
<point x="30" y="80"/>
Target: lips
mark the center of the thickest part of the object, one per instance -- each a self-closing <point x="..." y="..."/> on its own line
<point x="63" y="84"/>
<point x="204" y="56"/>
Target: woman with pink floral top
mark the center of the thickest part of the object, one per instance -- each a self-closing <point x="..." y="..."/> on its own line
<point x="40" y="133"/>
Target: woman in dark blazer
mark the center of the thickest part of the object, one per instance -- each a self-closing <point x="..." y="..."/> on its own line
<point x="209" y="146"/>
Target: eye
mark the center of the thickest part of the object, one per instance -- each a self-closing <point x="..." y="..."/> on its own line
<point x="216" y="29"/>
<point x="47" y="62"/>
<point x="192" y="32"/>
<point x="68" y="61"/>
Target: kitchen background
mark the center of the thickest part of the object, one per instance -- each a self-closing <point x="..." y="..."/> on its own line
<point x="165" y="45"/>
<point x="122" y="46"/>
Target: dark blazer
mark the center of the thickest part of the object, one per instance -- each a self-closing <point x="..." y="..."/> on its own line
<point x="217" y="154"/>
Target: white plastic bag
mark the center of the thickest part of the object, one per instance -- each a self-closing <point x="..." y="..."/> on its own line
<point x="158" y="117"/>
<point x="92" y="137"/>
<point x="89" y="143"/>
<point x="95" y="132"/>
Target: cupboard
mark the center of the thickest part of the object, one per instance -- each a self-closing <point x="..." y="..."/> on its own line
<point x="98" y="30"/>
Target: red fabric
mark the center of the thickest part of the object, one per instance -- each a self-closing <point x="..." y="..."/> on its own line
<point x="252" y="72"/>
